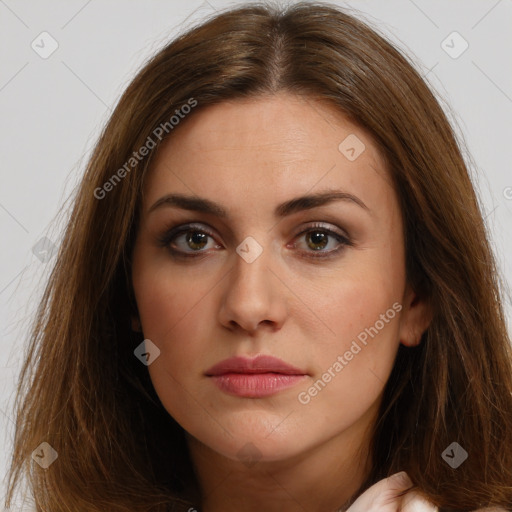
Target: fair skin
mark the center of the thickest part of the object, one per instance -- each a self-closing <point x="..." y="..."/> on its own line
<point x="250" y="156"/>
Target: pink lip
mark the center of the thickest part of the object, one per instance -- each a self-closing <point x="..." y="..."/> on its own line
<point x="254" y="378"/>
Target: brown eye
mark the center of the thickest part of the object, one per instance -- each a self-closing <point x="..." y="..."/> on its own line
<point x="188" y="240"/>
<point x="192" y="241"/>
<point x="318" y="238"/>
<point x="196" y="239"/>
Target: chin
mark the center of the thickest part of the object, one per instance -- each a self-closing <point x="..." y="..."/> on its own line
<point x="252" y="442"/>
<point x="250" y="451"/>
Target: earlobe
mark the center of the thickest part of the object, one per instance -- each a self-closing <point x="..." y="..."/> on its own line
<point x="415" y="319"/>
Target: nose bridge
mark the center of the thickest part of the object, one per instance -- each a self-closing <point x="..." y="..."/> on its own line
<point x="252" y="263"/>
<point x="251" y="296"/>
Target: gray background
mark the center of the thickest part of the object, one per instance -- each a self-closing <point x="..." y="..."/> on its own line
<point x="53" y="108"/>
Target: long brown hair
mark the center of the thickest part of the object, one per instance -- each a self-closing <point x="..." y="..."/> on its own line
<point x="84" y="392"/>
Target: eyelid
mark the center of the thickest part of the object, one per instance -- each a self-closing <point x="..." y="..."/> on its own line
<point x="170" y="233"/>
<point x="341" y="236"/>
<point x="320" y="226"/>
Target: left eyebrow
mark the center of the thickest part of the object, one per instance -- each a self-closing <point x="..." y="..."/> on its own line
<point x="306" y="202"/>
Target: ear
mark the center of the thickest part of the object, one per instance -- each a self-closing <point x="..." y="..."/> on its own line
<point x="415" y="318"/>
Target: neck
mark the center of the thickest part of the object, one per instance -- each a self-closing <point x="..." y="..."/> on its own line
<point x="322" y="479"/>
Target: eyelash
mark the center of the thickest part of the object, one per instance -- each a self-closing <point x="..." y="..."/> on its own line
<point x="167" y="237"/>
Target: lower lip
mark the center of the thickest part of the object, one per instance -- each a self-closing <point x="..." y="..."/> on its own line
<point x="255" y="385"/>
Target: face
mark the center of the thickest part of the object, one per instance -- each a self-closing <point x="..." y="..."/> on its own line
<point x="318" y="283"/>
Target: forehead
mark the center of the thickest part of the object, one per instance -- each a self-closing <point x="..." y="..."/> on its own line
<point x="254" y="151"/>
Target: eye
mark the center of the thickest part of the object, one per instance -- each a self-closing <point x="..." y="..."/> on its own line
<point x="187" y="240"/>
<point x="317" y="238"/>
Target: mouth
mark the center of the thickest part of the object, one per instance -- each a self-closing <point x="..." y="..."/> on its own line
<point x="254" y="378"/>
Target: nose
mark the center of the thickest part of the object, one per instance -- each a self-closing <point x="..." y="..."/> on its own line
<point x="254" y="296"/>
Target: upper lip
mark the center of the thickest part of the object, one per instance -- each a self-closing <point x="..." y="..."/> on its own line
<point x="258" y="364"/>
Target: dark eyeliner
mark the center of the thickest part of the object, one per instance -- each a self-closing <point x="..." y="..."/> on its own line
<point x="343" y="240"/>
<point x="167" y="237"/>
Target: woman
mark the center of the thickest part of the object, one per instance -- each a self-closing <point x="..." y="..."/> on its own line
<point x="275" y="291"/>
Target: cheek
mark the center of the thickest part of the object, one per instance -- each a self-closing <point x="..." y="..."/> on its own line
<point x="350" y="374"/>
<point x="350" y="368"/>
<point x="364" y="317"/>
<point x="172" y="313"/>
<point x="170" y="305"/>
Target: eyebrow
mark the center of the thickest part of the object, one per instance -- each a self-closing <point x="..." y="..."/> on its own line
<point x="306" y="202"/>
